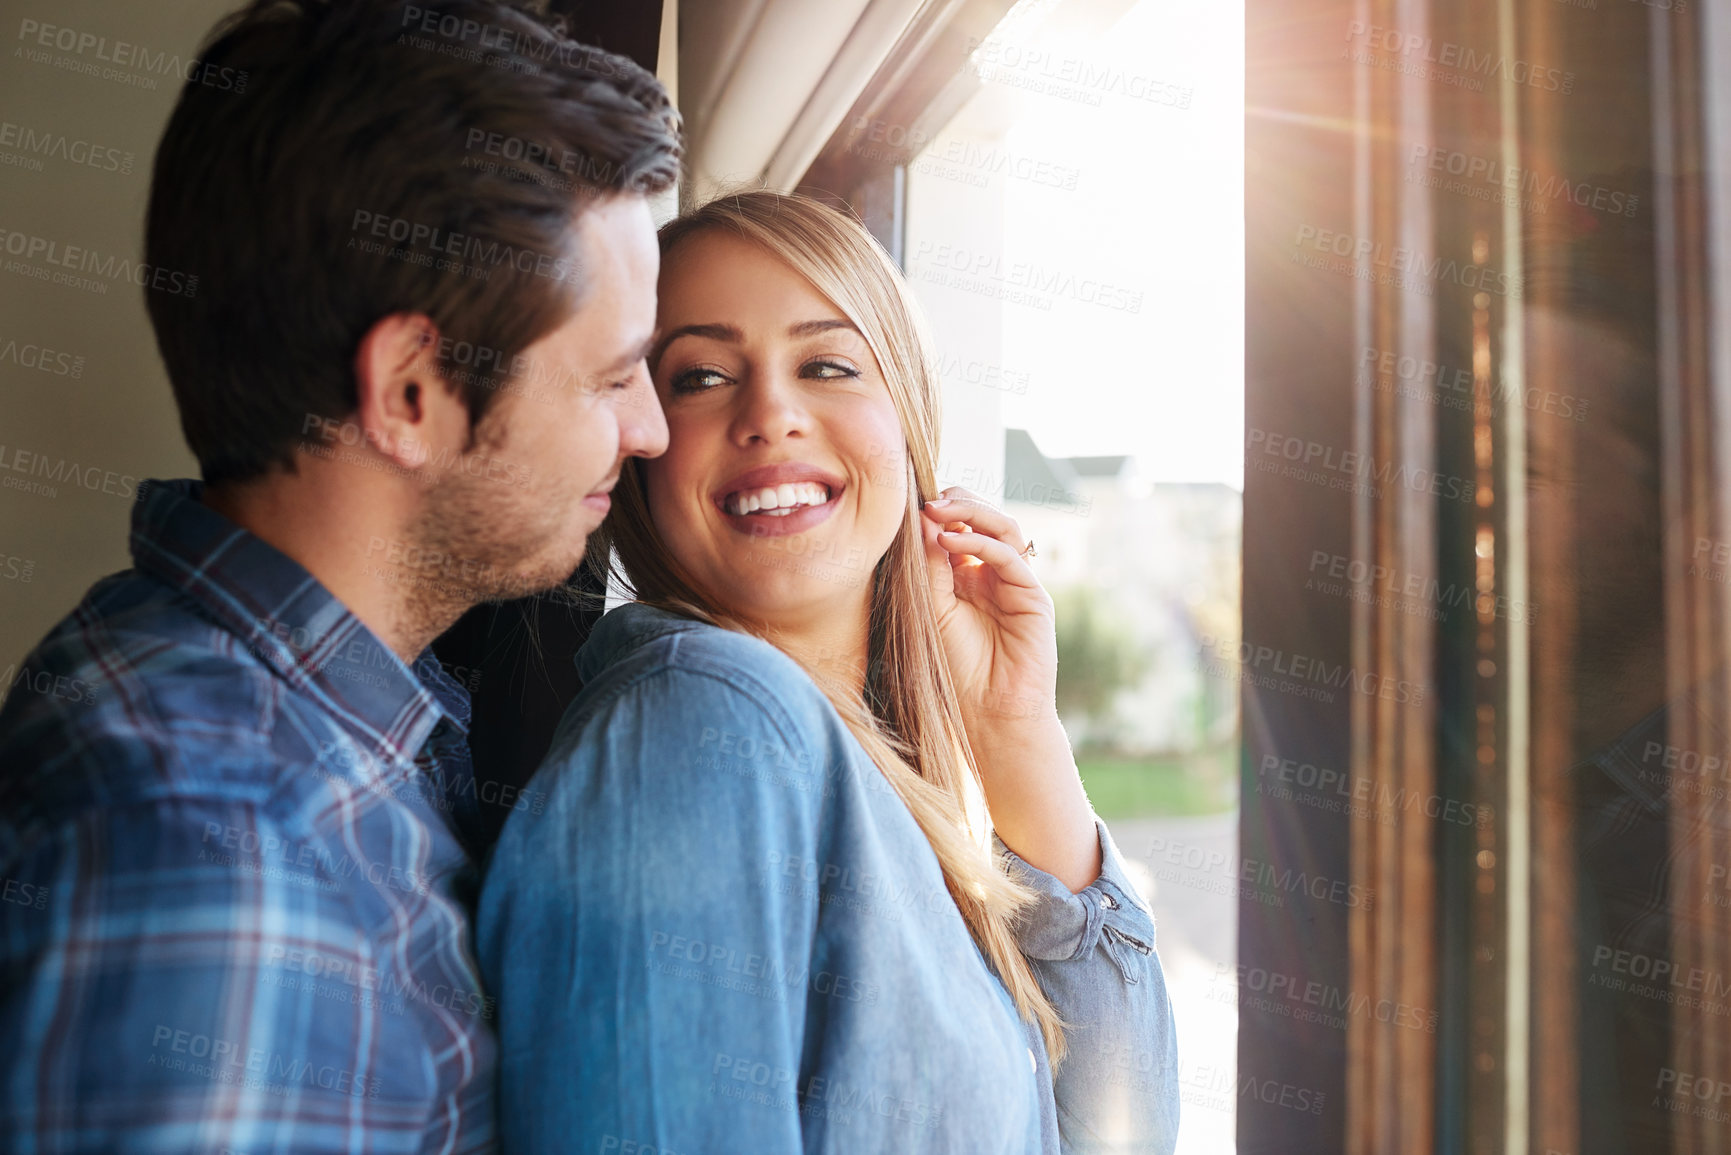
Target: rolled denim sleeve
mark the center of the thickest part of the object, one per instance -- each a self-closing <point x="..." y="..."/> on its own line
<point x="1093" y="951"/>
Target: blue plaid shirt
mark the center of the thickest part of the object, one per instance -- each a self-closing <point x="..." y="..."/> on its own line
<point x="237" y="869"/>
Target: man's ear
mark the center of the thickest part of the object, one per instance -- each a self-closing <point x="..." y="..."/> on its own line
<point x="405" y="409"/>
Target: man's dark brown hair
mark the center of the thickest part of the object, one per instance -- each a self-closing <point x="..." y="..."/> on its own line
<point x="333" y="162"/>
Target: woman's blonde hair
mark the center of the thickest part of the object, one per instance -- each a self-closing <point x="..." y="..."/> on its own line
<point x="909" y="721"/>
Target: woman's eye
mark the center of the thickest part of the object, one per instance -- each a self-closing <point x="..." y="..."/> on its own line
<point x="830" y="369"/>
<point x="696" y="380"/>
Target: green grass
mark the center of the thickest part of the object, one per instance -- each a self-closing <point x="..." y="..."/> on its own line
<point x="1133" y="787"/>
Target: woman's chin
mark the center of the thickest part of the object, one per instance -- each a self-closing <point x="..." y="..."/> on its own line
<point x="779" y="587"/>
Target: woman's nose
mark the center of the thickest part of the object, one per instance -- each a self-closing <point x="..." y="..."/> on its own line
<point x="770" y="410"/>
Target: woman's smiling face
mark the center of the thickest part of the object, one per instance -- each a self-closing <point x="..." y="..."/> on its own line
<point x="785" y="476"/>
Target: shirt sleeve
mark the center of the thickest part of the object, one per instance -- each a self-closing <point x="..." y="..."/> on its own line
<point x="1093" y="951"/>
<point x="649" y="949"/>
<point x="157" y="994"/>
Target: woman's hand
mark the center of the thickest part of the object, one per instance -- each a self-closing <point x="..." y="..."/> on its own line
<point x="999" y="633"/>
<point x="996" y="619"/>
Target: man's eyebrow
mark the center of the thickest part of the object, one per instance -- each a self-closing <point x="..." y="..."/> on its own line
<point x="636" y="354"/>
<point x="717" y="332"/>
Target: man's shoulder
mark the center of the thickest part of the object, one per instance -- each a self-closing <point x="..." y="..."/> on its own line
<point x="136" y="696"/>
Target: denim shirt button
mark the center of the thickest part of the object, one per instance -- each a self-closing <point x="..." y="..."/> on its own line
<point x="1032" y="1065"/>
<point x="1108" y="901"/>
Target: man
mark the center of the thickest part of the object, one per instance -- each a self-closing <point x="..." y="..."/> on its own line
<point x="237" y="817"/>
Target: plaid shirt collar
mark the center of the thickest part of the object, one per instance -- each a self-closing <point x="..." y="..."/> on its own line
<point x="281" y="614"/>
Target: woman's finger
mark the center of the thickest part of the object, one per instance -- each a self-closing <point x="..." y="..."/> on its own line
<point x="938" y="572"/>
<point x="1006" y="561"/>
<point x="955" y="505"/>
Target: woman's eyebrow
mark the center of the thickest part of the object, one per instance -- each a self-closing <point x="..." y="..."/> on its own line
<point x="715" y="331"/>
<point x="718" y="331"/>
<point x="812" y="328"/>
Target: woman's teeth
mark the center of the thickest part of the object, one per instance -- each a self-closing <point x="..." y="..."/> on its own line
<point x="777" y="500"/>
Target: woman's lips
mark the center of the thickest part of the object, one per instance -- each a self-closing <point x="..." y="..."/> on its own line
<point x="779" y="524"/>
<point x="796" y="481"/>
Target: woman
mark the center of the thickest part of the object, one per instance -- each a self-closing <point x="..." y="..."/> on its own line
<point x="759" y="912"/>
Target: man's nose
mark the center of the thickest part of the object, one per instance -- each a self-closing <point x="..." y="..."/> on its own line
<point x="644" y="425"/>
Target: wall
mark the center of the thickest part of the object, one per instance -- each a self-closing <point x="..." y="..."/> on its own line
<point x="82" y="432"/>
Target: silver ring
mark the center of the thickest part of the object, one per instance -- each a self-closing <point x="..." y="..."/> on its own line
<point x="1028" y="550"/>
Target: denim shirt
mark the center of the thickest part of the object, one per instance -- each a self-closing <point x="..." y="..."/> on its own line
<point x="726" y="933"/>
